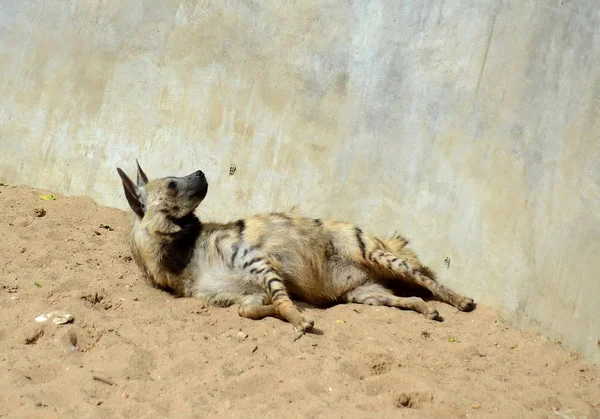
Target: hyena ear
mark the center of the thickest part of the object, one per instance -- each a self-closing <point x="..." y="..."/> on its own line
<point x="142" y="179"/>
<point x="132" y="193"/>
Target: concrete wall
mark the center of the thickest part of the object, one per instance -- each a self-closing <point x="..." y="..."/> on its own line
<point x="473" y="126"/>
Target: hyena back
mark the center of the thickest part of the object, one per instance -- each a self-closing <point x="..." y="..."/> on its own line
<point x="260" y="261"/>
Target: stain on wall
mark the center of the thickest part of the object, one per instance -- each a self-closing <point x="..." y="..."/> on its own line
<point x="472" y="126"/>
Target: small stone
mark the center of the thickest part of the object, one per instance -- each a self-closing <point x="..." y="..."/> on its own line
<point x="63" y="318"/>
<point x="254" y="348"/>
<point x="241" y="336"/>
<point x="58" y="317"/>
<point x="39" y="404"/>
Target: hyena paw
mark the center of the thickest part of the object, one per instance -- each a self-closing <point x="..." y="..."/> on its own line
<point x="432" y="314"/>
<point x="465" y="304"/>
<point x="305" y="325"/>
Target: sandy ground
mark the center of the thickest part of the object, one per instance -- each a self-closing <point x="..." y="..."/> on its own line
<point x="169" y="357"/>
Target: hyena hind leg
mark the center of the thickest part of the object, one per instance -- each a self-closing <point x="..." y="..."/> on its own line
<point x="405" y="269"/>
<point x="377" y="295"/>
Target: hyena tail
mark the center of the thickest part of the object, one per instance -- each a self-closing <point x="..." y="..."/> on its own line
<point x="395" y="242"/>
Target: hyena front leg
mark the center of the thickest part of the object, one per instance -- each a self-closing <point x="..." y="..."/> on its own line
<point x="398" y="266"/>
<point x="376" y="295"/>
<point x="271" y="281"/>
<point x="254" y="307"/>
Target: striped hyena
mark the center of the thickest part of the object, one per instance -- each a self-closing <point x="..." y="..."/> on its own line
<point x="260" y="261"/>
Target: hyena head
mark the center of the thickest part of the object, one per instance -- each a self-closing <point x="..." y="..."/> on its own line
<point x="167" y="199"/>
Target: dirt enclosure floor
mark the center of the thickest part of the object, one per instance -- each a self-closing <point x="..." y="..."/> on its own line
<point x="134" y="351"/>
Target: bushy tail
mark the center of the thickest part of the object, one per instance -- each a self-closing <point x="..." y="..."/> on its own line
<point x="395" y="242"/>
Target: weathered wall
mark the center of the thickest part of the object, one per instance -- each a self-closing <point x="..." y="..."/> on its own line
<point x="471" y="125"/>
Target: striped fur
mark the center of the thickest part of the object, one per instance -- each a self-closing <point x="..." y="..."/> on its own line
<point x="260" y="262"/>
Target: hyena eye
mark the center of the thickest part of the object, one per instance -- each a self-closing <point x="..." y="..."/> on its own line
<point x="172" y="185"/>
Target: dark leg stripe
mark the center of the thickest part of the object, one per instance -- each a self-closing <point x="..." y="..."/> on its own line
<point x="271" y="281"/>
<point x="361" y="243"/>
<point x="280" y="299"/>
<point x="241" y="226"/>
<point x="218" y="245"/>
<point x="236" y="249"/>
<point x="252" y="262"/>
<point x="278" y="294"/>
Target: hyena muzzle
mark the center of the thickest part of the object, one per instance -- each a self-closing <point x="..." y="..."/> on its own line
<point x="260" y="261"/>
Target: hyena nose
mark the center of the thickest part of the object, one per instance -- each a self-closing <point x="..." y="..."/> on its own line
<point x="200" y="174"/>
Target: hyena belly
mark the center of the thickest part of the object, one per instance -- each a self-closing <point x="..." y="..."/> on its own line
<point x="321" y="281"/>
<point x="308" y="260"/>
